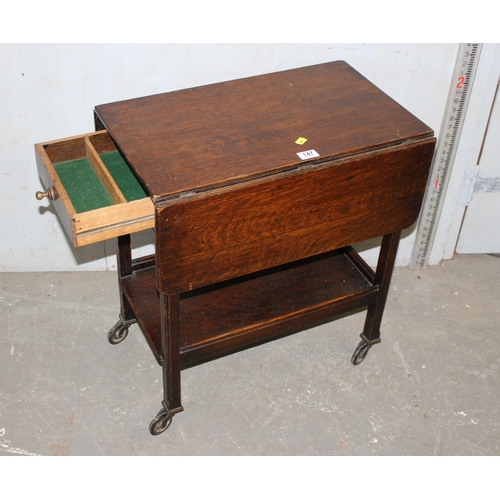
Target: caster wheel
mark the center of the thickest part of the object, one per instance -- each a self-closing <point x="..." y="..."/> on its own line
<point x="118" y="333"/>
<point x="360" y="353"/>
<point x="160" y="423"/>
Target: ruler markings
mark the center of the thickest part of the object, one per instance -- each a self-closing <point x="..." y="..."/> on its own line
<point x="444" y="155"/>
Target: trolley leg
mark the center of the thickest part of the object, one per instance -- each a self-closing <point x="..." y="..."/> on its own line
<point x="125" y="269"/>
<point x="119" y="331"/>
<point x="383" y="275"/>
<point x="171" y="364"/>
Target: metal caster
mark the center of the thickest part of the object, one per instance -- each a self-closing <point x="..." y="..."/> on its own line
<point x="118" y="333"/>
<point x="160" y="423"/>
<point x="360" y="352"/>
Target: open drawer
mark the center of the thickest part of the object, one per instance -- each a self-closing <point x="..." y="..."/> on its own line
<point x="94" y="192"/>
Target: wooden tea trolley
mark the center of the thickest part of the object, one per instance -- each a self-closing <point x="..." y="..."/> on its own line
<point x="256" y="188"/>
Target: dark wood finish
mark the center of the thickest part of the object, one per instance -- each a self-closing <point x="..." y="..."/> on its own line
<point x="252" y="242"/>
<point x="385" y="266"/>
<point x="234" y="131"/>
<point x="235" y="231"/>
<point x="169" y="306"/>
<point x="222" y="318"/>
<point x="124" y="263"/>
<point x="140" y="292"/>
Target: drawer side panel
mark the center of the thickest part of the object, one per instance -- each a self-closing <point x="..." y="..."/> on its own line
<point x="232" y="232"/>
<point x="49" y="178"/>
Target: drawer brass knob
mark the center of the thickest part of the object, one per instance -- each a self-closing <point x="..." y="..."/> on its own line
<point x="51" y="194"/>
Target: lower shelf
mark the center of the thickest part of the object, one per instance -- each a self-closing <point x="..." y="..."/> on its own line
<point x="229" y="316"/>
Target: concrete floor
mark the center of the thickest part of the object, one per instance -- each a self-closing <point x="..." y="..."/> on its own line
<point x="430" y="388"/>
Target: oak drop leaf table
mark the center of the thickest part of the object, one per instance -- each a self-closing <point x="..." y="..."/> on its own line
<point x="256" y="189"/>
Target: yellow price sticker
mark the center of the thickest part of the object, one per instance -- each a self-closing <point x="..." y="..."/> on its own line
<point x="301" y="140"/>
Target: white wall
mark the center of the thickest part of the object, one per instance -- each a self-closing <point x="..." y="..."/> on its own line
<point x="49" y="92"/>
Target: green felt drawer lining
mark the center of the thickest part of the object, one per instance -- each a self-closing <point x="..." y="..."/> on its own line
<point x="84" y="187"/>
<point x="123" y="176"/>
